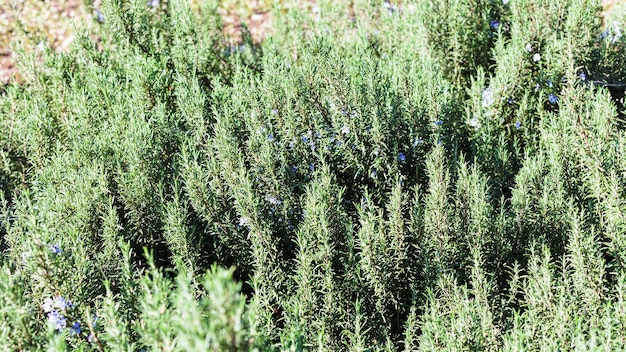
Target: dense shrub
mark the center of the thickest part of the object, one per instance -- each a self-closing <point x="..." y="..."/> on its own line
<point x="430" y="175"/>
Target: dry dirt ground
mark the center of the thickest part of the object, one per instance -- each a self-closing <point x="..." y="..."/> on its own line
<point x="50" y="21"/>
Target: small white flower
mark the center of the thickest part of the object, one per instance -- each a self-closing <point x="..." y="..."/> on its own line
<point x="505" y="2"/>
<point x="48" y="304"/>
<point x="529" y="47"/>
<point x="536" y="57"/>
<point x="274" y="201"/>
<point x="487" y="97"/>
<point x="474" y="123"/>
<point x="243" y="221"/>
<point x="345" y="130"/>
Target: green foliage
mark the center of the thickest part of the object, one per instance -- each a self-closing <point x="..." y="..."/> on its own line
<point x="416" y="177"/>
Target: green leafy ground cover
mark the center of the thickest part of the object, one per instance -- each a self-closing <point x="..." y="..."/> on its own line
<point x="432" y="176"/>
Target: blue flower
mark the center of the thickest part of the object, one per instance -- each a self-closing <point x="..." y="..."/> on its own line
<point x="510" y="100"/>
<point x="62" y="303"/>
<point x="55" y="249"/>
<point x="582" y="76"/>
<point x="550" y="85"/>
<point x="494" y="24"/>
<point x="518" y="125"/>
<point x="75" y="328"/>
<point x="243" y="222"/>
<point x="58" y="320"/>
<point x="274" y="111"/>
<point x="401" y="158"/>
<point x="99" y="16"/>
<point x="418" y="141"/>
<point x="553" y="98"/>
<point x="305" y="139"/>
<point x="438" y="122"/>
<point x="270" y="137"/>
<point x="294" y="170"/>
<point x="311" y="167"/>
<point x="374" y="173"/>
<point x="604" y="34"/>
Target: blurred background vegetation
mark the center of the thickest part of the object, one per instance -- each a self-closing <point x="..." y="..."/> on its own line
<point x="25" y="24"/>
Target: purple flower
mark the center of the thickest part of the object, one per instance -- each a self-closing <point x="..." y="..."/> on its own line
<point x="401" y="158"/>
<point x="518" y="125"/>
<point x="553" y="98"/>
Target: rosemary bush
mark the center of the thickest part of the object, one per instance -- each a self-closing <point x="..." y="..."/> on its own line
<point x="412" y="176"/>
